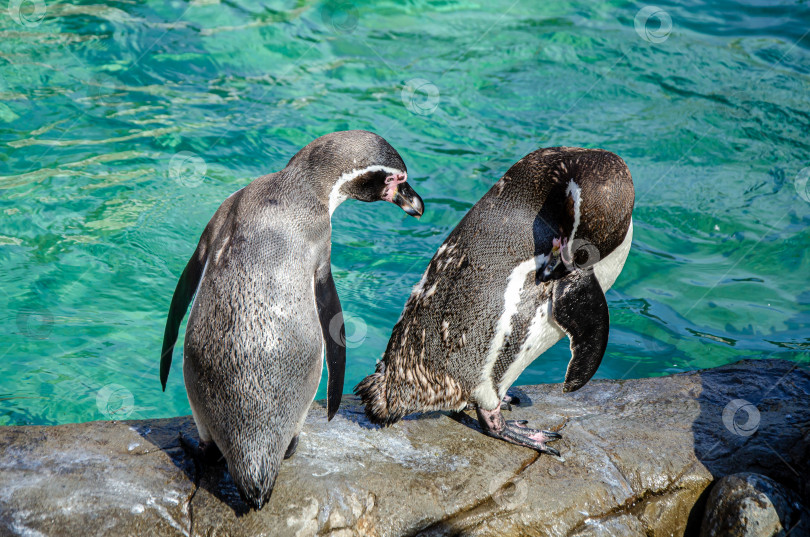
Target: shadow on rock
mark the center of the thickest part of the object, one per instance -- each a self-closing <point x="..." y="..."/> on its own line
<point x="754" y="419"/>
<point x="212" y="477"/>
<point x="522" y="395"/>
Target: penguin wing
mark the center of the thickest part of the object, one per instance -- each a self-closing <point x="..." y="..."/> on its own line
<point x="190" y="280"/>
<point x="183" y="293"/>
<point x="579" y="307"/>
<point x="334" y="336"/>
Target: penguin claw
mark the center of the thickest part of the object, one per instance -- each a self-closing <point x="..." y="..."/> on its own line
<point x="530" y="438"/>
<point x="523" y="436"/>
<point x="516" y="431"/>
<point x="552" y="451"/>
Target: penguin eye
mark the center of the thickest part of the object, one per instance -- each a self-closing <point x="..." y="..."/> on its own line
<point x="367" y="187"/>
<point x="369" y="179"/>
<point x="373" y="180"/>
<point x="379" y="177"/>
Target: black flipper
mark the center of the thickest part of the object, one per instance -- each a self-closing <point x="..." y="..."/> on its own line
<point x="183" y="293"/>
<point x="580" y="308"/>
<point x="334" y="337"/>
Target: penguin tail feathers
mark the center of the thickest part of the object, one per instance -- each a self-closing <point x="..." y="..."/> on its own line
<point x="372" y="391"/>
<point x="254" y="496"/>
<point x="254" y="483"/>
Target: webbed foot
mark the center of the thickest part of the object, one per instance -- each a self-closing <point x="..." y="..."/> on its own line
<point x="516" y="431"/>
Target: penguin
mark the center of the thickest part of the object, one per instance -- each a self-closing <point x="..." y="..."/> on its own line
<point x="266" y="308"/>
<point x="527" y="265"/>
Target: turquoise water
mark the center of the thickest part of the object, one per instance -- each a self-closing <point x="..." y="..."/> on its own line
<point x="707" y="103"/>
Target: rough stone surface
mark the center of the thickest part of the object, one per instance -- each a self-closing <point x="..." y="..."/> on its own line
<point x="752" y="505"/>
<point x="639" y="458"/>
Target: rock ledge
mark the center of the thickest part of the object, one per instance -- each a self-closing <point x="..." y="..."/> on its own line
<point x="640" y="457"/>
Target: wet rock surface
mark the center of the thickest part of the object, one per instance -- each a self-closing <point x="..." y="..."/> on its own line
<point x="639" y="459"/>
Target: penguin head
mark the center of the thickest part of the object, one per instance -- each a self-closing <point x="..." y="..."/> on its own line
<point x="588" y="208"/>
<point x="359" y="165"/>
<point x="598" y="208"/>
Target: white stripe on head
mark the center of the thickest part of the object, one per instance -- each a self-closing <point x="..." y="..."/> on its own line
<point x="575" y="192"/>
<point x="544" y="331"/>
<point x="485" y="393"/>
<point x="336" y="197"/>
<point x="221" y="249"/>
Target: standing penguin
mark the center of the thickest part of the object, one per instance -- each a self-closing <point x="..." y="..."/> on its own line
<point x="528" y="264"/>
<point x="266" y="307"/>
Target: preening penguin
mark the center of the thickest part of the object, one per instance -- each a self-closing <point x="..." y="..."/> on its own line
<point x="266" y="308"/>
<point x="527" y="265"/>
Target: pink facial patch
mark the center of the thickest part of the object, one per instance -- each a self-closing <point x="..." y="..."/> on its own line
<point x="391" y="183"/>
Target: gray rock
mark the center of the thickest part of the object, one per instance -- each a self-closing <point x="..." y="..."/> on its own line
<point x="639" y="457"/>
<point x="752" y="505"/>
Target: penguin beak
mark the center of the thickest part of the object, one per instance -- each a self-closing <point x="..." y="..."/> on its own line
<point x="555" y="266"/>
<point x="407" y="199"/>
